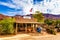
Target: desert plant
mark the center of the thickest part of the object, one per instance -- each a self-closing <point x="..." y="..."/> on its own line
<point x="57" y="25"/>
<point x="6" y="26"/>
<point x="51" y="31"/>
<point x="48" y="21"/>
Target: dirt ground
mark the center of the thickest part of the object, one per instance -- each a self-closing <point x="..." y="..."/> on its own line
<point x="32" y="36"/>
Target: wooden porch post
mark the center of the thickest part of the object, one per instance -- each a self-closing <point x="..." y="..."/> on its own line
<point x="33" y="27"/>
<point x="25" y="27"/>
<point x="16" y="28"/>
<point x="36" y="25"/>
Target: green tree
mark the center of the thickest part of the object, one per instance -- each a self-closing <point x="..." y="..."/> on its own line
<point x="51" y="26"/>
<point x="39" y="16"/>
<point x="49" y="22"/>
<point x="58" y="25"/>
<point x="6" y="26"/>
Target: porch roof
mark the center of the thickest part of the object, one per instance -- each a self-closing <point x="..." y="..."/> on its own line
<point x="24" y="20"/>
<point x="29" y="22"/>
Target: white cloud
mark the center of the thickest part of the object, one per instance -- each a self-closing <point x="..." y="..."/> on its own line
<point x="25" y="4"/>
<point x="13" y="13"/>
<point x="10" y="13"/>
<point x="53" y="6"/>
<point x="9" y="5"/>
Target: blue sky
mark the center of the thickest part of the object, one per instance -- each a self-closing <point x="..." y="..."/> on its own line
<point x="22" y="7"/>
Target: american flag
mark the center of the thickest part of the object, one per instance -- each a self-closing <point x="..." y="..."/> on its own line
<point x="31" y="9"/>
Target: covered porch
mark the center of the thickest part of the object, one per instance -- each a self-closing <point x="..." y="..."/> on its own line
<point x="26" y="27"/>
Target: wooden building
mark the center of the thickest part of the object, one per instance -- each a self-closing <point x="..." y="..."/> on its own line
<point x="25" y="24"/>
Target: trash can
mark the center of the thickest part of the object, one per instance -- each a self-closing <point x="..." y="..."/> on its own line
<point x="38" y="29"/>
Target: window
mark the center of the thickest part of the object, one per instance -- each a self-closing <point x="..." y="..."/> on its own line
<point x="28" y="17"/>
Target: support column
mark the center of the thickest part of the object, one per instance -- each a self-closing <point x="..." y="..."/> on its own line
<point x="25" y="27"/>
<point x="33" y="27"/>
<point x="16" y="28"/>
<point x="19" y="26"/>
<point x="36" y="25"/>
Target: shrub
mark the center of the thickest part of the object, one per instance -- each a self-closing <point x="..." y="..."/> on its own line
<point x="6" y="26"/>
<point x="51" y="31"/>
<point x="49" y="22"/>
